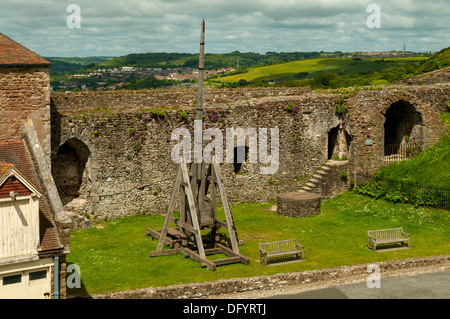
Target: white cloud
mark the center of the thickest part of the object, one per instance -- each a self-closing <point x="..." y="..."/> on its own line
<point x="117" y="27"/>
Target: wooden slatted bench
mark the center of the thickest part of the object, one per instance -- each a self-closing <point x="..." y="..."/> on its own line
<point x="282" y="248"/>
<point x="387" y="236"/>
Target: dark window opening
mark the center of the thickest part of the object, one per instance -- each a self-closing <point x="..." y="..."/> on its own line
<point x="240" y="155"/>
<point x="41" y="274"/>
<point x="332" y="141"/>
<point x="14" y="279"/>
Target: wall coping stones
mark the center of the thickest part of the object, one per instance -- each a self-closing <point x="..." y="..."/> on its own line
<point x="278" y="281"/>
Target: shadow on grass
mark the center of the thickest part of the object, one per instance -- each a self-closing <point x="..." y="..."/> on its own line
<point x="74" y="285"/>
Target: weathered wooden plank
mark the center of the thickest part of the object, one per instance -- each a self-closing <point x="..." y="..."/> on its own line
<point x="167" y="252"/>
<point x="175" y="191"/>
<point x="227" y="251"/>
<point x="193" y="211"/>
<point x="226" y="261"/>
<point x="221" y="223"/>
<point x="157" y="235"/>
<point x="194" y="255"/>
<point x="226" y="208"/>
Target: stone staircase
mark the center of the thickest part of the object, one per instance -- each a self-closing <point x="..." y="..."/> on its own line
<point x="314" y="184"/>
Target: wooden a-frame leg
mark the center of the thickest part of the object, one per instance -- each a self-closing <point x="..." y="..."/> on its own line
<point x="165" y="228"/>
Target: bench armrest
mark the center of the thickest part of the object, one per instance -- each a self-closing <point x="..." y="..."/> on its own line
<point x="405" y="234"/>
<point x="298" y="245"/>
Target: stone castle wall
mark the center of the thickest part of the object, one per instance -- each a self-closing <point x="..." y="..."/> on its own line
<point x="124" y="139"/>
<point x="130" y="169"/>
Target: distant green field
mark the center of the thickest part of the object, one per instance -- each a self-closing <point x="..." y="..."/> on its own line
<point x="291" y="70"/>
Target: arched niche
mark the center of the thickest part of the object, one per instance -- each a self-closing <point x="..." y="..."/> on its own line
<point x="403" y="124"/>
<point x="71" y="170"/>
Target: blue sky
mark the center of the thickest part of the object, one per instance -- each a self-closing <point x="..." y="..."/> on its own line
<point x="114" y="28"/>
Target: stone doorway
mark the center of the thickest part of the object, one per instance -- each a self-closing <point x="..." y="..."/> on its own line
<point x="403" y="125"/>
<point x="338" y="143"/>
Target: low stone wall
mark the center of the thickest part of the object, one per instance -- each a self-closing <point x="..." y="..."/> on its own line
<point x="260" y="283"/>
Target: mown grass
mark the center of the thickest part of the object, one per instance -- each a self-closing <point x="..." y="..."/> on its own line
<point x="116" y="257"/>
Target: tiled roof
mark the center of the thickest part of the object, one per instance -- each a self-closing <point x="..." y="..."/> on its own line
<point x="13" y="53"/>
<point x="16" y="153"/>
<point x="4" y="167"/>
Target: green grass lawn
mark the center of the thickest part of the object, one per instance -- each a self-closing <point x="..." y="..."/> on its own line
<point x="116" y="257"/>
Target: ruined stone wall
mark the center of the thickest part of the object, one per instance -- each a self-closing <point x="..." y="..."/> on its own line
<point x="130" y="169"/>
<point x="127" y="138"/>
<point x="73" y="102"/>
<point x="25" y="94"/>
<point x="367" y="113"/>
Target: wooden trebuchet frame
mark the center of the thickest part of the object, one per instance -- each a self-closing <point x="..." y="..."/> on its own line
<point x="196" y="212"/>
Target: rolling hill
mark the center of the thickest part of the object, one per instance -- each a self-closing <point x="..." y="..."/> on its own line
<point x="337" y="72"/>
<point x="309" y="69"/>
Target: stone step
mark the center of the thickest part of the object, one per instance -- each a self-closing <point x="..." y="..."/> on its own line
<point x="323" y="173"/>
<point x="326" y="168"/>
<point x="307" y="189"/>
<point x="310" y="185"/>
<point x="314" y="180"/>
<point x="318" y="177"/>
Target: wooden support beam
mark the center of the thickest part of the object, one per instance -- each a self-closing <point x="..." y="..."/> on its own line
<point x="227" y="251"/>
<point x="166" y="252"/>
<point x="157" y="234"/>
<point x="186" y="226"/>
<point x="193" y="210"/>
<point x="226" y="261"/>
<point x="226" y="208"/>
<point x="176" y="189"/>
<point x="203" y="261"/>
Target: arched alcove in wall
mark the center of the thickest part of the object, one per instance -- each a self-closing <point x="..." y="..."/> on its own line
<point x="338" y="143"/>
<point x="71" y="169"/>
<point x="402" y="124"/>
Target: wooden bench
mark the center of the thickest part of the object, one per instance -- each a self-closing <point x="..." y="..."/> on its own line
<point x="282" y="248"/>
<point x="387" y="236"/>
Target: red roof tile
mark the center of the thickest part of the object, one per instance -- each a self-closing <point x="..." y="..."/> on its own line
<point x="13" y="53"/>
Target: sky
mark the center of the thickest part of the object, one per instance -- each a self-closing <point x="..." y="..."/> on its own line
<point x="115" y="28"/>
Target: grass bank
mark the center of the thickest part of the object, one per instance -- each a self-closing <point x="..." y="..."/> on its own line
<point x="115" y="256"/>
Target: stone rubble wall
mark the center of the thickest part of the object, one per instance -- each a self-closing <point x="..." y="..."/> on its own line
<point x="128" y="134"/>
<point x="268" y="283"/>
